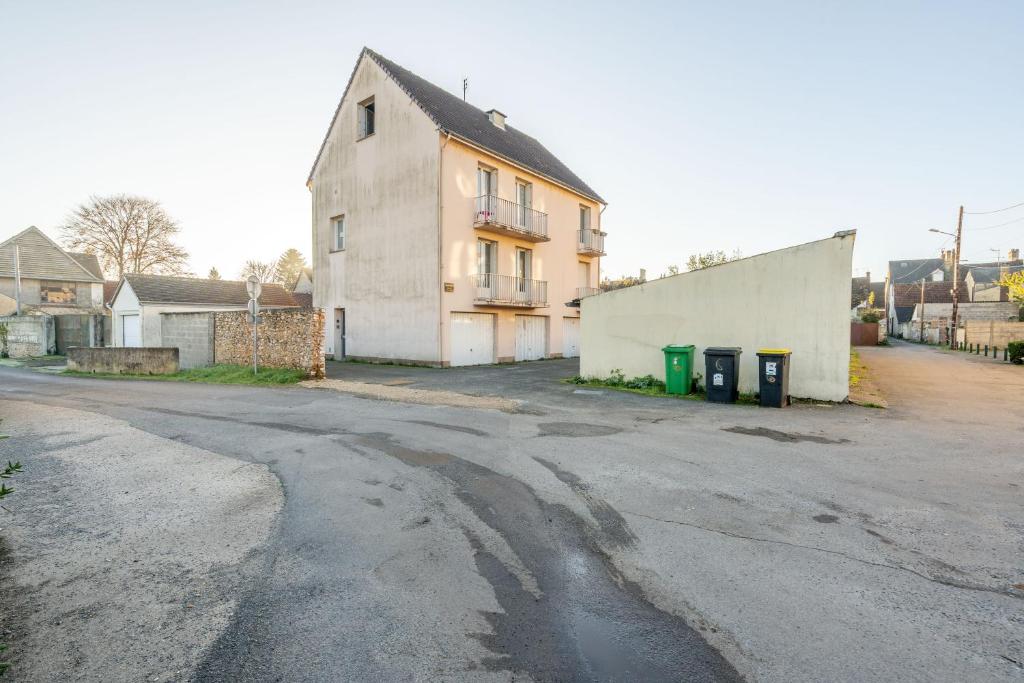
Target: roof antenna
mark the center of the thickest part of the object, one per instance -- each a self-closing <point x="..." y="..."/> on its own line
<point x="465" y="84"/>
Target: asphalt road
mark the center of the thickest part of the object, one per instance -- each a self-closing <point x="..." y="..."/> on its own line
<point x="605" y="536"/>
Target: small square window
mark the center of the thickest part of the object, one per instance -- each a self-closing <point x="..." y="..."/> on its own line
<point x="338" y="224"/>
<point x="367" y="118"/>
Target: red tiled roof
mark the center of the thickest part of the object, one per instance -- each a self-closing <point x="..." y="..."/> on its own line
<point x="934" y="293"/>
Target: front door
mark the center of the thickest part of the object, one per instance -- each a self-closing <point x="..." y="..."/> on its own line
<point x="339" y="334"/>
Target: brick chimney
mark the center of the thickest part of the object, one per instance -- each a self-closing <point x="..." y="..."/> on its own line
<point x="1013" y="255"/>
<point x="947" y="258"/>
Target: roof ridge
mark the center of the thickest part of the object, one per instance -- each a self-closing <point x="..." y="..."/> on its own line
<point x="53" y="243"/>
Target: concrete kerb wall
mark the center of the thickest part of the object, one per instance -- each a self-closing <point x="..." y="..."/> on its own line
<point x="27" y="335"/>
<point x="796" y="298"/>
<point x="124" y="360"/>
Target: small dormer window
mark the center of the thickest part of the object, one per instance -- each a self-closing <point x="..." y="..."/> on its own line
<point x="367" y="118"/>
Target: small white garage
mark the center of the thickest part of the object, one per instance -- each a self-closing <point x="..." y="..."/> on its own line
<point x="531" y="337"/>
<point x="570" y="337"/>
<point x="472" y="338"/>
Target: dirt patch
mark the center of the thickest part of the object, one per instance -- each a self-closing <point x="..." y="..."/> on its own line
<point x="406" y="395"/>
<point x="784" y="437"/>
<point x="863" y="389"/>
<point x="575" y="429"/>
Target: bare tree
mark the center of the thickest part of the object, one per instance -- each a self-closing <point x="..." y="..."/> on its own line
<point x="289" y="267"/>
<point x="128" y="234"/>
<point x="264" y="270"/>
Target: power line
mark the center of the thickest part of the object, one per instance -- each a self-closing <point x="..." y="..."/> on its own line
<point x="998" y="225"/>
<point x="981" y="213"/>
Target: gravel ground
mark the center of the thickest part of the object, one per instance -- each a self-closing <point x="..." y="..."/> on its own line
<point x="429" y="397"/>
<point x="123" y="551"/>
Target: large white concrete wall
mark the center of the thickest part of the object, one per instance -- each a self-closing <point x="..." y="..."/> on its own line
<point x="796" y="298"/>
<point x="386" y="185"/>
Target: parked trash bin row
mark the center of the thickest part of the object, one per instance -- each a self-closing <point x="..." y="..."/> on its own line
<point x="722" y="373"/>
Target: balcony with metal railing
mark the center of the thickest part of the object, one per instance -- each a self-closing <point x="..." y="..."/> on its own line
<point x="507" y="290"/>
<point x="503" y="217"/>
<point x="590" y="242"/>
<point x="582" y="292"/>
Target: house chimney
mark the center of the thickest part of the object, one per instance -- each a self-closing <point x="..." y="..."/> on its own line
<point x="1013" y="255"/>
<point x="643" y="275"/>
<point x="496" y="117"/>
<point x="868" y="276"/>
<point x="947" y="257"/>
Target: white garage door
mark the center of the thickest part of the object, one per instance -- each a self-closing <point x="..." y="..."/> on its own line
<point x="570" y="337"/>
<point x="130" y="331"/>
<point x="472" y="338"/>
<point x="531" y="337"/>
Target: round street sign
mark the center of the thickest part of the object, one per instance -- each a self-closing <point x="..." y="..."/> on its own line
<point x="254" y="307"/>
<point x="253" y="287"/>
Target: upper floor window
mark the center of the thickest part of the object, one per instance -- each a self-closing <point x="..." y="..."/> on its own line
<point x="338" y="224"/>
<point x="58" y="292"/>
<point x="486" y="182"/>
<point x="584" y="217"/>
<point x="367" y="118"/>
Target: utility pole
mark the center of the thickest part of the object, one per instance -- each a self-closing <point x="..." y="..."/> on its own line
<point x="922" y="310"/>
<point x="956" y="277"/>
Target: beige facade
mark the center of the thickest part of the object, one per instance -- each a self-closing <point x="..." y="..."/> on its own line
<point x="413" y="224"/>
<point x="796" y="298"/>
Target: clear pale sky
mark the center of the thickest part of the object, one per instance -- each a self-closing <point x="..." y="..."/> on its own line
<point x="746" y="126"/>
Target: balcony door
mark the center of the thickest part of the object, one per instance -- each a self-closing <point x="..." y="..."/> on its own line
<point x="487" y="192"/>
<point x="524" y="202"/>
<point x="487" y="268"/>
<point x="524" y="275"/>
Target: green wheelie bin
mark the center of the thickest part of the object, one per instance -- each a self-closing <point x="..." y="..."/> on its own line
<point x="678" y="368"/>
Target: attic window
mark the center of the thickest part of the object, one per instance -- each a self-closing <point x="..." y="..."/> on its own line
<point x="367" y="118"/>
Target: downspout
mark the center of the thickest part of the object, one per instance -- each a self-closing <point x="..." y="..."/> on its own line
<point x="17" y="280"/>
<point x="600" y="221"/>
<point x="440" y="251"/>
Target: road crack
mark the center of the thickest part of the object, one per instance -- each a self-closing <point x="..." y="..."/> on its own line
<point x="952" y="583"/>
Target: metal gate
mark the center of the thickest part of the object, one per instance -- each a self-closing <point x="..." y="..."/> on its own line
<point x="71" y="330"/>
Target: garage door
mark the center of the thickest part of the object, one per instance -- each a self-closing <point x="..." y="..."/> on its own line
<point x="130" y="331"/>
<point x="472" y="338"/>
<point x="570" y="337"/>
<point x="531" y="337"/>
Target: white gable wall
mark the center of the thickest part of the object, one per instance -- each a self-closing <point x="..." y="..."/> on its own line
<point x="387" y="278"/>
<point x="796" y="298"/>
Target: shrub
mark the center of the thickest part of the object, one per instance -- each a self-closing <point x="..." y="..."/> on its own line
<point x="645" y="382"/>
<point x="870" y="317"/>
<point x="1016" y="351"/>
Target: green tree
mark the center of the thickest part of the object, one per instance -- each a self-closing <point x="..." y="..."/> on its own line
<point x="214" y="274"/>
<point x="711" y="258"/>
<point x="289" y="267"/>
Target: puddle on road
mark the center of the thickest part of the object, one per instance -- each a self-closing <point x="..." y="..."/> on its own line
<point x="826" y="519"/>
<point x="591" y="622"/>
<point x="785" y="437"/>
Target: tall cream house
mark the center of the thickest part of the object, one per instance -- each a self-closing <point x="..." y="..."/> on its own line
<point x="443" y="235"/>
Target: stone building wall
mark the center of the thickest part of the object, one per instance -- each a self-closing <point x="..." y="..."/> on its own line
<point x="288" y="338"/>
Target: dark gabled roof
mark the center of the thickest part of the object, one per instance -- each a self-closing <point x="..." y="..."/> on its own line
<point x="986" y="273"/>
<point x="166" y="289"/>
<point x="859" y="288"/>
<point x="904" y="314"/>
<point x="43" y="259"/>
<point x="88" y="261"/>
<point x="913" y="270"/>
<point x="453" y="115"/>
<point x="878" y="289"/>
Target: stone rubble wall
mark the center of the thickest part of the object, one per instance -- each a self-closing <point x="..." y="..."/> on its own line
<point x="288" y="338"/>
<point x="27" y="335"/>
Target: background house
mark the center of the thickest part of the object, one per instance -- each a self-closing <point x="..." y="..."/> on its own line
<point x="140" y="300"/>
<point x="442" y="234"/>
<point x="65" y="286"/>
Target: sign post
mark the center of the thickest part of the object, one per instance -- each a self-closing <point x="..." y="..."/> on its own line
<point x="253" y="287"/>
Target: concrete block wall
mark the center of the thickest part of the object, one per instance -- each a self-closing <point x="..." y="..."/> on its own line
<point x="27" y="335"/>
<point x="192" y="334"/>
